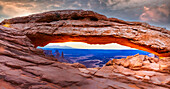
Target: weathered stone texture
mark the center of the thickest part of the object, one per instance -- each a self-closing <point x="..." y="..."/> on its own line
<point x="22" y="66"/>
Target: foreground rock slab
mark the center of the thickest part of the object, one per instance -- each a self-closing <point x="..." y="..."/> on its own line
<point x="147" y="69"/>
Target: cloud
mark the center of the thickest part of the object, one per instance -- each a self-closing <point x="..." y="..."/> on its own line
<point x="15" y="8"/>
<point x="11" y="9"/>
<point x="133" y="10"/>
<point x="1" y="7"/>
<point x="127" y="4"/>
<point x="156" y="14"/>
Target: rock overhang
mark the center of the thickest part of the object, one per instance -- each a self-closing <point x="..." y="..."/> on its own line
<point x="91" y="28"/>
<point x="22" y="66"/>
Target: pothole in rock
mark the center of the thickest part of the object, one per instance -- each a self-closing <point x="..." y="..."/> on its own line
<point x="90" y="55"/>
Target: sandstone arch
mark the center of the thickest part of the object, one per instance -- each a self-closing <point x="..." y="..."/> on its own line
<point x="22" y="66"/>
<point x="92" y="28"/>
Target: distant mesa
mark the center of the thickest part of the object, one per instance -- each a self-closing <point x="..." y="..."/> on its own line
<point x="56" y="46"/>
<point x="81" y="45"/>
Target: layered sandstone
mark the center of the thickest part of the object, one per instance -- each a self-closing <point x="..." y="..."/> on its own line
<point x="144" y="68"/>
<point x="22" y="66"/>
<point x="85" y="26"/>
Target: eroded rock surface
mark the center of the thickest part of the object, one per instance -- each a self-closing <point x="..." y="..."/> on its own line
<point x="85" y="26"/>
<point x="22" y="66"/>
<point x="144" y="68"/>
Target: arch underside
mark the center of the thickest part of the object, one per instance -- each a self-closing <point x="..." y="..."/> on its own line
<point x="22" y="64"/>
<point x="91" y="28"/>
<point x="43" y="39"/>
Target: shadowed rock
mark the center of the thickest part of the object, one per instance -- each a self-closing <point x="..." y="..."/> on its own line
<point x="85" y="26"/>
<point x="22" y="66"/>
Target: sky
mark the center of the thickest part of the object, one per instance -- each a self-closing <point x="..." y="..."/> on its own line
<point x="155" y="12"/>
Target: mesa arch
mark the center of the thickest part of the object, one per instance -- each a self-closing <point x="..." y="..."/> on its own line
<point x="91" y="28"/>
<point x="22" y="66"/>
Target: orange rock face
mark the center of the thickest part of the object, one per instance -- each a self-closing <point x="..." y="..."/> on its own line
<point x="22" y="66"/>
<point x="92" y="28"/>
<point x="143" y="68"/>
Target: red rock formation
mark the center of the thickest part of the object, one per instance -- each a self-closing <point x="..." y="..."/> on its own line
<point x="92" y="28"/>
<point x="56" y="16"/>
<point x="144" y="68"/>
<point x="22" y="66"/>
